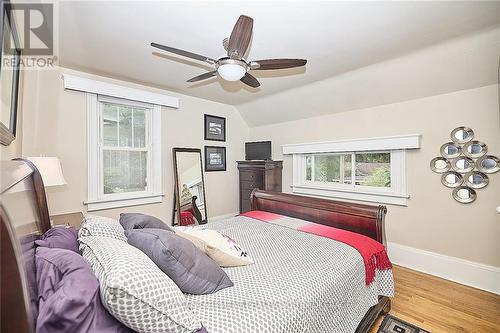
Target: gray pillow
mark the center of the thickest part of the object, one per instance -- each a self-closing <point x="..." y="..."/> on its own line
<point x="141" y="221"/>
<point x="191" y="269"/>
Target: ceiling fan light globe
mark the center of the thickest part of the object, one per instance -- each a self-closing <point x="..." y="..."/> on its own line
<point x="231" y="72"/>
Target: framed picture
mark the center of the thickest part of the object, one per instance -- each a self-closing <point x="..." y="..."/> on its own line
<point x="10" y="59"/>
<point x="215" y="128"/>
<point x="215" y="158"/>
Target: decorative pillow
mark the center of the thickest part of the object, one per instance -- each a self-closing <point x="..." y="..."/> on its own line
<point x="68" y="294"/>
<point x="60" y="237"/>
<point x="140" y="221"/>
<point x="135" y="290"/>
<point x="94" y="225"/>
<point x="191" y="269"/>
<point x="222" y="249"/>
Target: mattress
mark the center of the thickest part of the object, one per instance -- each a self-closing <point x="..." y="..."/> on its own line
<point x="299" y="283"/>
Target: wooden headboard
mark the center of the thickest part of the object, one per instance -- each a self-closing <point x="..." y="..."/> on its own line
<point x="24" y="216"/>
<point x="363" y="219"/>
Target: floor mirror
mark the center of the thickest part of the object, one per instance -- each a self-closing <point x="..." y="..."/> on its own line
<point x="189" y="187"/>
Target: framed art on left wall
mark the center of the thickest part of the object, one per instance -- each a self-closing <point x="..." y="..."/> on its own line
<point x="215" y="128"/>
<point x="10" y="59"/>
<point x="215" y="158"/>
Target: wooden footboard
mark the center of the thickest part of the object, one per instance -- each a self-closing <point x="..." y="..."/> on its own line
<point x="367" y="220"/>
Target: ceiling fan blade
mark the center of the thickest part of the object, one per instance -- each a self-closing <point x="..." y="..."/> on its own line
<point x="184" y="53"/>
<point x="240" y="37"/>
<point x="202" y="76"/>
<point x="250" y="80"/>
<point x="277" y="63"/>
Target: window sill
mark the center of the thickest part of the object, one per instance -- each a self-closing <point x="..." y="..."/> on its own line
<point x="348" y="194"/>
<point x="123" y="202"/>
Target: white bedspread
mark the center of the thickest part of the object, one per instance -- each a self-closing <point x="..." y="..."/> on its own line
<point x="299" y="283"/>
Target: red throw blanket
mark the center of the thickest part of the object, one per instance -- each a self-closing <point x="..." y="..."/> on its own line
<point x="373" y="253"/>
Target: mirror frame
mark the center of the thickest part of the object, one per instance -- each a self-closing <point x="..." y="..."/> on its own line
<point x="471" y="162"/>
<point x="445" y="155"/>
<point x="488" y="171"/>
<point x="484" y="149"/>
<point x="177" y="202"/>
<point x="443" y="170"/>
<point x="450" y="185"/>
<point x="485" y="182"/>
<point x="464" y="128"/>
<point x="8" y="130"/>
<point x="472" y="198"/>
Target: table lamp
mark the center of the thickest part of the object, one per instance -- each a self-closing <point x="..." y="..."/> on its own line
<point x="51" y="171"/>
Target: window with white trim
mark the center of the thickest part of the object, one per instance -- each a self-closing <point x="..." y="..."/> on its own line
<point x="353" y="169"/>
<point x="124" y="152"/>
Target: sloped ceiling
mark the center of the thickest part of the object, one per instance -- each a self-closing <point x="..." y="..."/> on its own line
<point x="419" y="48"/>
<point x="463" y="63"/>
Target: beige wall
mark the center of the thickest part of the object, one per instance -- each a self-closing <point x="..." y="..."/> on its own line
<point x="433" y="220"/>
<point x="55" y="125"/>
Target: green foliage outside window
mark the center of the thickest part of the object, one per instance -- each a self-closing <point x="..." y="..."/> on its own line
<point x="381" y="177"/>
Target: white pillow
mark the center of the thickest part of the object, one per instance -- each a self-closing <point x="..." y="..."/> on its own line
<point x="94" y="225"/>
<point x="222" y="249"/>
<point x="135" y="290"/>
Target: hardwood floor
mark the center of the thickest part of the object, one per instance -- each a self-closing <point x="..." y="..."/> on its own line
<point x="439" y="305"/>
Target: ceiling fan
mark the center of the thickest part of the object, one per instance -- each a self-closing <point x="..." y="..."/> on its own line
<point x="234" y="67"/>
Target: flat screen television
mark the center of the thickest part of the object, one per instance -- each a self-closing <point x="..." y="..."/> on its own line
<point x="258" y="150"/>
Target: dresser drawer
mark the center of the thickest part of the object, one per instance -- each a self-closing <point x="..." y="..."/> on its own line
<point x="245" y="193"/>
<point x="251" y="175"/>
<point x="245" y="206"/>
<point x="252" y="184"/>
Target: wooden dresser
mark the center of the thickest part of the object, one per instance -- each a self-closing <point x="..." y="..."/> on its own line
<point x="264" y="175"/>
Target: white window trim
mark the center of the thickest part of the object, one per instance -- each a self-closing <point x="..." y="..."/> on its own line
<point x="411" y="141"/>
<point x="73" y="82"/>
<point x="396" y="145"/>
<point x="96" y="199"/>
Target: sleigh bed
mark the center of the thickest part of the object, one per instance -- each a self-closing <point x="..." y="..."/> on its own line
<point x="24" y="217"/>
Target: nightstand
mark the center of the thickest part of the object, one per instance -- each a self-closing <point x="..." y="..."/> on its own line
<point x="69" y="219"/>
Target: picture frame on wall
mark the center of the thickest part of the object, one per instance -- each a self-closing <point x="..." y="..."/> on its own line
<point x="215" y="128"/>
<point x="10" y="60"/>
<point x="215" y="158"/>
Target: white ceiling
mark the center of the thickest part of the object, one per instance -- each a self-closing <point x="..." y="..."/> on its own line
<point x="112" y="38"/>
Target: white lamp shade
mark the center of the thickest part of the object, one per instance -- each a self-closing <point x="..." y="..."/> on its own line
<point x="231" y="72"/>
<point x="50" y="169"/>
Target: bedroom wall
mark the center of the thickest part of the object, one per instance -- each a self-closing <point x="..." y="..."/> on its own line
<point x="433" y="220"/>
<point x="55" y="125"/>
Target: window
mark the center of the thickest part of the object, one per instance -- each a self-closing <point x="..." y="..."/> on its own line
<point x="124" y="153"/>
<point x="354" y="170"/>
<point x="124" y="147"/>
<point x="370" y="169"/>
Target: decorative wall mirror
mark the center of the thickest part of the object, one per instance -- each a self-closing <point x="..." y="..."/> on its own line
<point x="452" y="179"/>
<point x="475" y="149"/>
<point x="462" y="164"/>
<point x="488" y="164"/>
<point x="440" y="165"/>
<point x="189" y="199"/>
<point x="458" y="162"/>
<point x="462" y="135"/>
<point x="476" y="179"/>
<point x="450" y="150"/>
<point x="464" y="194"/>
<point x="9" y="74"/>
